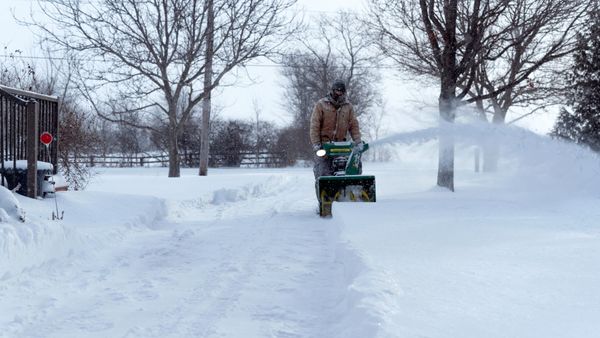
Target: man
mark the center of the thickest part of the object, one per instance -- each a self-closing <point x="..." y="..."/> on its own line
<point x="332" y="119"/>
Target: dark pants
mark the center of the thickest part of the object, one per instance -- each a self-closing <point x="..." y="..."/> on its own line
<point x="323" y="166"/>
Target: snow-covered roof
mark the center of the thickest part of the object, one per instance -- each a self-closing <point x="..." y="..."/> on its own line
<point x="22" y="165"/>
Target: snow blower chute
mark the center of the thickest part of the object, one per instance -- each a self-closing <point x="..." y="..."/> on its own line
<point x="347" y="184"/>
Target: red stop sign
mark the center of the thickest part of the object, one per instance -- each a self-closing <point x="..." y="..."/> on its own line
<point x="46" y="138"/>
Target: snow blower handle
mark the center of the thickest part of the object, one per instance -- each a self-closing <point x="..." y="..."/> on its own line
<point x="360" y="146"/>
<point x="353" y="166"/>
<point x="337" y="149"/>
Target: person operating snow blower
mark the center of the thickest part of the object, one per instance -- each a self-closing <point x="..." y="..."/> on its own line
<point x="338" y="165"/>
<point x="332" y="120"/>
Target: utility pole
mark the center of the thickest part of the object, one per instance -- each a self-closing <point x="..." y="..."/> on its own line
<point x="206" y="101"/>
<point x="32" y="147"/>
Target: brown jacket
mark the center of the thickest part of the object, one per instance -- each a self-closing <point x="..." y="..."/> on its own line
<point x="324" y="119"/>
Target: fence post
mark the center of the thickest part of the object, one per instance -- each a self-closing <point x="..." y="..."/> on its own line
<point x="32" y="147"/>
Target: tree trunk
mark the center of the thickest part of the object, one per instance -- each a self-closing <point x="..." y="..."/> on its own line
<point x="206" y="101"/>
<point x="173" y="146"/>
<point x="447" y="105"/>
<point x="482" y="117"/>
<point x="447" y="100"/>
<point x="491" y="151"/>
<point x="204" y="138"/>
<point x="446" y="144"/>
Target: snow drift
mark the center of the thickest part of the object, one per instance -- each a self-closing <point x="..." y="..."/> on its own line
<point x="91" y="221"/>
<point x="10" y="209"/>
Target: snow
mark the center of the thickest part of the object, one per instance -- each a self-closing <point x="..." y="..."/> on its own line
<point x="22" y="164"/>
<point x="242" y="252"/>
<point x="10" y="209"/>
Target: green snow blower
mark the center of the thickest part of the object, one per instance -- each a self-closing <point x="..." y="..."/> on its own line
<point x="347" y="184"/>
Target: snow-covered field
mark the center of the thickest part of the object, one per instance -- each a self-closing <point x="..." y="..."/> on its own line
<point x="242" y="252"/>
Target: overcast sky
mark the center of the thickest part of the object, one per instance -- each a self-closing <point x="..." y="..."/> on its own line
<point x="263" y="86"/>
<point x="19" y="37"/>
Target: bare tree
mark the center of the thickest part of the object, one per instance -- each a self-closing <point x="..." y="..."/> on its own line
<point x="189" y="141"/>
<point x="439" y="38"/>
<point x="519" y="66"/>
<point x="333" y="49"/>
<point x="530" y="63"/>
<point x="264" y="138"/>
<point x="146" y="55"/>
<point x="512" y="47"/>
<point x="232" y="140"/>
<point x="130" y="141"/>
<point x="78" y="138"/>
<point x="16" y="72"/>
<point x="106" y="143"/>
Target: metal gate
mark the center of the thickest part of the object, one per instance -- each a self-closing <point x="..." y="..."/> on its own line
<point x="15" y="133"/>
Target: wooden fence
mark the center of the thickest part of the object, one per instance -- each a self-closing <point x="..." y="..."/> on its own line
<point x="237" y="159"/>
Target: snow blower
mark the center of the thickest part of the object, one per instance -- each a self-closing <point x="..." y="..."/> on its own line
<point x="347" y="184"/>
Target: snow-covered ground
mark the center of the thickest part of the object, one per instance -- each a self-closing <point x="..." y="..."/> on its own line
<point x="242" y="253"/>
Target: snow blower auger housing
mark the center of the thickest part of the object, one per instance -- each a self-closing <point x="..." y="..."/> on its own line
<point x="347" y="184"/>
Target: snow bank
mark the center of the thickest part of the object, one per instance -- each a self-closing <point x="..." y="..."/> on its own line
<point x="91" y="221"/>
<point x="23" y="241"/>
<point x="266" y="186"/>
<point x="26" y="245"/>
<point x="10" y="209"/>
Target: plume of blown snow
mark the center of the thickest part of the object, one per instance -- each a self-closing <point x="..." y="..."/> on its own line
<point x="526" y="160"/>
<point x="545" y="163"/>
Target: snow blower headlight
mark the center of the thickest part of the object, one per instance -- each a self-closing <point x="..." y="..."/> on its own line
<point x="321" y="152"/>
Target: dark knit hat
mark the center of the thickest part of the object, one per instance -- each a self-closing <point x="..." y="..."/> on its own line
<point x="338" y="85"/>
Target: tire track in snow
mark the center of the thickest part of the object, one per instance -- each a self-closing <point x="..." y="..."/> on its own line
<point x="253" y="258"/>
